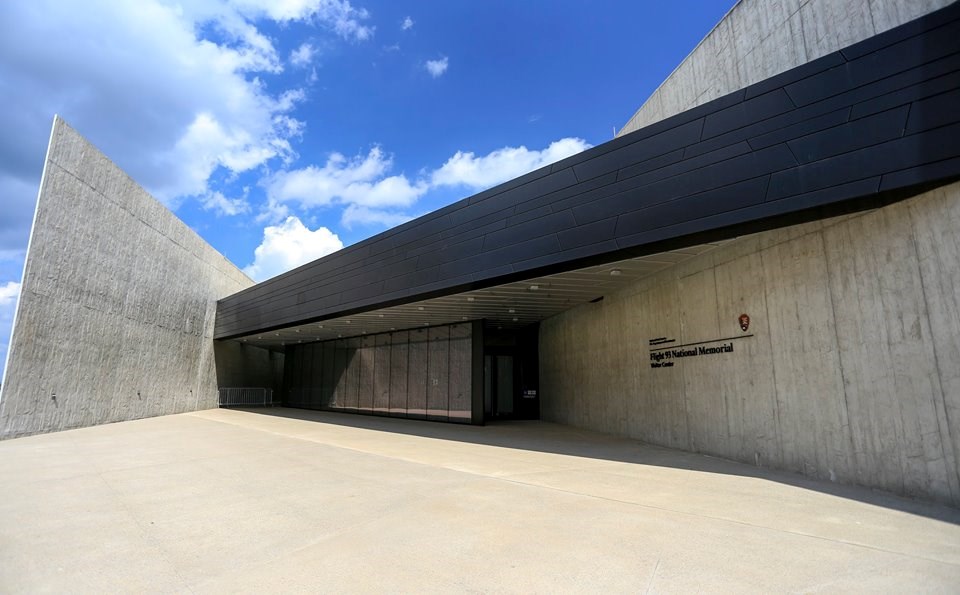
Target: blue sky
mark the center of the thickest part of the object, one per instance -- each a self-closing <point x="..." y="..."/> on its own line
<point x="283" y="130"/>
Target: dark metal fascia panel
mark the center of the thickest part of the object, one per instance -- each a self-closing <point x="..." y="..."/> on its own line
<point x="858" y="126"/>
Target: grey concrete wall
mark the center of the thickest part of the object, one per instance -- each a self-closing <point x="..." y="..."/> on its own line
<point x="760" y="38"/>
<point x="247" y="366"/>
<point x="117" y="305"/>
<point x="852" y="373"/>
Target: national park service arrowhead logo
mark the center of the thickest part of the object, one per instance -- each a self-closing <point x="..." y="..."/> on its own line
<point x="744" y="321"/>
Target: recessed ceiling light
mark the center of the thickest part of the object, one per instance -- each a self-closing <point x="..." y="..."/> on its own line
<point x="470" y="298"/>
<point x="463" y="318"/>
<point x="515" y="319"/>
<point x="298" y="330"/>
<point x="420" y="308"/>
<point x="615" y="272"/>
<point x="426" y="324"/>
<point x="393" y="328"/>
<point x="320" y="325"/>
<point x="339" y="335"/>
<point x="363" y="332"/>
<point x="534" y="287"/>
<point x="277" y="334"/>
<point x="348" y="322"/>
<point x="380" y="315"/>
<point x="260" y="337"/>
<point x="512" y="310"/>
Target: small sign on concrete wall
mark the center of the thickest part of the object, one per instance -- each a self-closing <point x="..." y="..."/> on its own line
<point x="664" y="354"/>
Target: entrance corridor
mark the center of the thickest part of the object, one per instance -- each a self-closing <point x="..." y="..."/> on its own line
<point x="281" y="500"/>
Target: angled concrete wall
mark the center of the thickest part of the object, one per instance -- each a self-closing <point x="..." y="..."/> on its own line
<point x="850" y="372"/>
<point x="116" y="311"/>
<point x="760" y="38"/>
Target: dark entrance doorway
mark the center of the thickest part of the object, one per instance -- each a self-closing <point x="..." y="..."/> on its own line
<point x="499" y="386"/>
<point x="511" y="379"/>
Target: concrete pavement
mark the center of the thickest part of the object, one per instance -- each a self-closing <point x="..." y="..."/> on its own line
<point x="284" y="500"/>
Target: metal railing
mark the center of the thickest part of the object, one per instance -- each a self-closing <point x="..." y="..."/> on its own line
<point x="246" y="397"/>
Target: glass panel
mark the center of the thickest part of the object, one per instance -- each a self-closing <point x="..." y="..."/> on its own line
<point x="340" y="375"/>
<point x="460" y="373"/>
<point x="366" y="374"/>
<point x="381" y="375"/>
<point x="306" y="374"/>
<point x="316" y="375"/>
<point x="438" y="378"/>
<point x="328" y="380"/>
<point x="351" y="400"/>
<point x="398" y="374"/>
<point x="417" y="375"/>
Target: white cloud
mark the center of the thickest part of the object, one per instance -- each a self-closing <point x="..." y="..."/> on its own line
<point x="289" y="245"/>
<point x="169" y="89"/>
<point x="361" y="180"/>
<point x="338" y="15"/>
<point x="9" y="292"/>
<point x="359" y="215"/>
<point x="302" y="55"/>
<point x="436" y="68"/>
<point x="407" y="24"/>
<point x="466" y="169"/>
<point x="173" y="91"/>
<point x="221" y="205"/>
<point x="371" y="196"/>
<point x="394" y="191"/>
<point x="344" y="18"/>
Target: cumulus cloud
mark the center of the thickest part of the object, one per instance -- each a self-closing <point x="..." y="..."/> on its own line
<point x="356" y="214"/>
<point x="173" y="91"/>
<point x="436" y="68"/>
<point x="467" y="169"/>
<point x="339" y="15"/>
<point x="8" y="293"/>
<point x="302" y="55"/>
<point x="170" y="90"/>
<point x="361" y="181"/>
<point x="289" y="245"/>
<point x="370" y="195"/>
<point x="221" y="205"/>
<point x="407" y="24"/>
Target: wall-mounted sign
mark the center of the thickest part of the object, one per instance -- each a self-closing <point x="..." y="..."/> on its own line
<point x="663" y="354"/>
<point x="530" y="394"/>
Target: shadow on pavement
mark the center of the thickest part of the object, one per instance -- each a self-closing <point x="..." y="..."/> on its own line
<point x="553" y="438"/>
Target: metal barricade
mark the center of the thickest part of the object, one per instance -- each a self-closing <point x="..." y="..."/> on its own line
<point x="246" y="397"/>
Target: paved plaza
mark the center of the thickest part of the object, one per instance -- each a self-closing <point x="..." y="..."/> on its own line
<point x="283" y="500"/>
